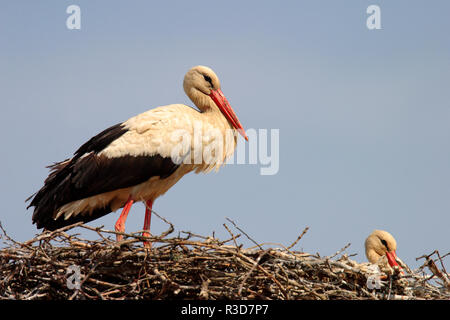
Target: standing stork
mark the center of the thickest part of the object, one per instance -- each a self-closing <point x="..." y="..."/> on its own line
<point x="140" y="159"/>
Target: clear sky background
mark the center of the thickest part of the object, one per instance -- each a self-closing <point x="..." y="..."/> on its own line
<point x="363" y="114"/>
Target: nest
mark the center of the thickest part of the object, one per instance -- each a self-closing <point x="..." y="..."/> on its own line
<point x="59" y="265"/>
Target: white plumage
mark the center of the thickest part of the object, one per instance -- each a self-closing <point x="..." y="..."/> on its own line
<point x="141" y="158"/>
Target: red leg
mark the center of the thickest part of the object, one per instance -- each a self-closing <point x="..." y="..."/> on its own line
<point x="147" y="220"/>
<point x="120" y="224"/>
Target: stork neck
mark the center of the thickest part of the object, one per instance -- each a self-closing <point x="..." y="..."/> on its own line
<point x="207" y="107"/>
<point x="372" y="256"/>
<point x="205" y="104"/>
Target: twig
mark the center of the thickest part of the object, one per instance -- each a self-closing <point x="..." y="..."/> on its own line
<point x="241" y="285"/>
<point x="248" y="237"/>
<point x="340" y="251"/>
<point x="232" y="235"/>
<point x="298" y="239"/>
<point x="47" y="235"/>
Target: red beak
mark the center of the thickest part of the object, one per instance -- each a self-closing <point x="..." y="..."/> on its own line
<point x="222" y="102"/>
<point x="391" y="256"/>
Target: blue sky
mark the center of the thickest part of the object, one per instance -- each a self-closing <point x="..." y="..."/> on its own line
<point x="363" y="114"/>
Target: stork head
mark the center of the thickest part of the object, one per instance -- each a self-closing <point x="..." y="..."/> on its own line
<point x="381" y="243"/>
<point x="202" y="86"/>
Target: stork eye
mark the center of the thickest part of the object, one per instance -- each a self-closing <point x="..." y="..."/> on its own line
<point x="384" y="243"/>
<point x="207" y="78"/>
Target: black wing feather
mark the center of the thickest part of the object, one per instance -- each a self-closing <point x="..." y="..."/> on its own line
<point x="88" y="174"/>
<point x="102" y="140"/>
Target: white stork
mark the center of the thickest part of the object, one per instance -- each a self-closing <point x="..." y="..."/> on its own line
<point x="140" y="159"/>
<point x="380" y="248"/>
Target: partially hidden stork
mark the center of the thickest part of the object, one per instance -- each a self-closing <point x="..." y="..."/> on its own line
<point x="381" y="249"/>
<point x="141" y="158"/>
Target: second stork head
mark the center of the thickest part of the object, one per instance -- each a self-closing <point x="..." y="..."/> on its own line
<point x="381" y="243"/>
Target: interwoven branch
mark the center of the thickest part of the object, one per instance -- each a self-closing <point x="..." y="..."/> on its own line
<point x="190" y="267"/>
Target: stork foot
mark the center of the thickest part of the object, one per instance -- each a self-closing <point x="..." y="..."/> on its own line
<point x="148" y="215"/>
<point x="119" y="228"/>
<point x="119" y="237"/>
<point x="147" y="244"/>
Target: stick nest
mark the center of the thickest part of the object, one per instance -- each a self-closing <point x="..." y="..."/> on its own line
<point x="59" y="265"/>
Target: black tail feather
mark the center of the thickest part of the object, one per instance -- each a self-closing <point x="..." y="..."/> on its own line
<point x="52" y="224"/>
